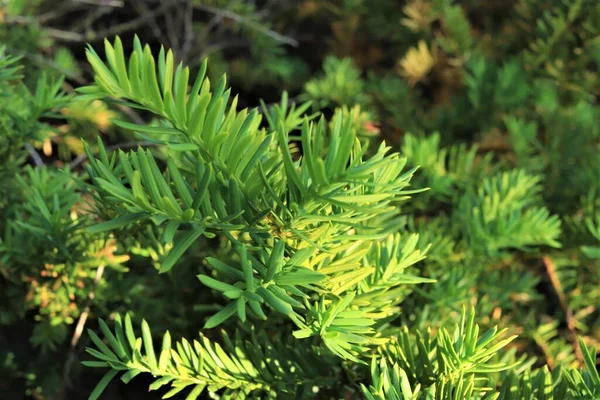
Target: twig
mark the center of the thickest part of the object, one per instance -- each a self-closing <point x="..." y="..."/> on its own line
<point x="104" y="3"/>
<point x="546" y="350"/>
<point x="66" y="382"/>
<point x="131" y="114"/>
<point x="570" y="319"/>
<point x="226" y="44"/>
<point x="42" y="18"/>
<point x="142" y="9"/>
<point x="127" y="26"/>
<point x="127" y="145"/>
<point x="188" y="34"/>
<point x="56" y="13"/>
<point x="94" y="15"/>
<point x="214" y="21"/>
<point x="65" y="36"/>
<point x="249" y="23"/>
<point x="171" y="30"/>
<point x="112" y="31"/>
<point x="37" y="160"/>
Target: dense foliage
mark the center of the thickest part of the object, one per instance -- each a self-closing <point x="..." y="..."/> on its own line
<point x="394" y="200"/>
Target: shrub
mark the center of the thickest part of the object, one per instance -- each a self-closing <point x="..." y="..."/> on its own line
<point x="418" y="220"/>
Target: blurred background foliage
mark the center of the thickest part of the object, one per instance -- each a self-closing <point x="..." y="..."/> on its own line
<point x="496" y="101"/>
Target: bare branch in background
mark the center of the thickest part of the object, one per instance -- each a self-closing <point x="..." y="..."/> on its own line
<point x="64" y="36"/>
<point x="105" y="3"/>
<point x="188" y="33"/>
<point x="249" y="23"/>
<point x="562" y="299"/>
<point x="55" y="13"/>
<point x="112" y="31"/>
<point x="171" y="29"/>
<point x="131" y="25"/>
<point x="135" y="117"/>
<point x="35" y="156"/>
<point x="226" y="44"/>
<point x="94" y="15"/>
<point x="141" y="8"/>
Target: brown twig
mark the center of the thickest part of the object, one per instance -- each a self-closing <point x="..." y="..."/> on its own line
<point x="569" y="317"/>
<point x="546" y="350"/>
<point x="66" y="381"/>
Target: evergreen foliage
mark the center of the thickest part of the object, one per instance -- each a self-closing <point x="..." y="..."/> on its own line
<point x="404" y="208"/>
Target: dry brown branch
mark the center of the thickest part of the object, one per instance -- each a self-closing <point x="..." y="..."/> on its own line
<point x="569" y="317"/>
<point x="546" y="350"/>
<point x="66" y="382"/>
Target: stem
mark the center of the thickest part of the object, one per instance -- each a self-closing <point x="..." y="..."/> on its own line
<point x="35" y="156"/>
<point x="249" y="23"/>
<point x="570" y="319"/>
<point x="66" y="382"/>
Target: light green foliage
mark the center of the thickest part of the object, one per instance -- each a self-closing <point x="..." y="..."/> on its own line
<point x="248" y="362"/>
<point x="505" y="212"/>
<point x="341" y="84"/>
<point x="48" y="262"/>
<point x="446" y="171"/>
<point x="456" y="35"/>
<point x="51" y="220"/>
<point x="460" y="366"/>
<point x="313" y="238"/>
<point x="21" y="110"/>
<point x="447" y="366"/>
<point x="36" y="209"/>
<point x="300" y="229"/>
<point x="419" y="219"/>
